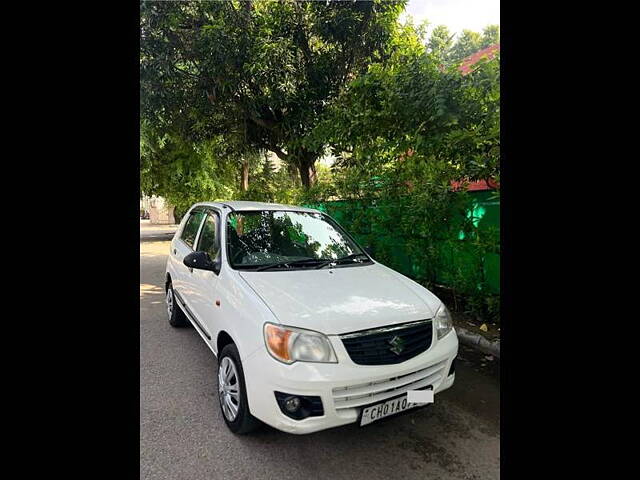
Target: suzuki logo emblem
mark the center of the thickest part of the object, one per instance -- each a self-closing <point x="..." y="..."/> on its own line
<point x="397" y="345"/>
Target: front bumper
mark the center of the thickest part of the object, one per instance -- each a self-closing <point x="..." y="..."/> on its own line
<point x="344" y="387"/>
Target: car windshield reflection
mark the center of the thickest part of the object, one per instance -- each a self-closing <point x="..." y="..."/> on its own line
<point x="284" y="240"/>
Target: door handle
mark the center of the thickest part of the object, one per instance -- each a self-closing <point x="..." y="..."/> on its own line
<point x="175" y="251"/>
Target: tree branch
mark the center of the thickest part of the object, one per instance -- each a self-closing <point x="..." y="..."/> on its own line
<point x="264" y="123"/>
<point x="184" y="72"/>
<point x="283" y="156"/>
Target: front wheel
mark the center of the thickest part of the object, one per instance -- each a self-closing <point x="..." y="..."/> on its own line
<point x="232" y="392"/>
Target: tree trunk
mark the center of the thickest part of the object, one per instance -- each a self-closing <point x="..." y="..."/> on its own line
<point x="244" y="177"/>
<point x="307" y="168"/>
<point x="301" y="160"/>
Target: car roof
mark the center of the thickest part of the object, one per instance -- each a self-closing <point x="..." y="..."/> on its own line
<point x="239" y="205"/>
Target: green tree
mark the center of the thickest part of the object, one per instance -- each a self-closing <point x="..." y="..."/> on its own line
<point x="440" y="41"/>
<point x="467" y="43"/>
<point x="257" y="73"/>
<point x="470" y="42"/>
<point x="409" y="103"/>
<point x="490" y="36"/>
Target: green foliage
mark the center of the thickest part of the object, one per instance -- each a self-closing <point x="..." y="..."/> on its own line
<point x="466" y="44"/>
<point x="440" y="42"/>
<point x="470" y="42"/>
<point x="490" y="36"/>
<point x="182" y="172"/>
<point x="409" y="103"/>
<point x="267" y="184"/>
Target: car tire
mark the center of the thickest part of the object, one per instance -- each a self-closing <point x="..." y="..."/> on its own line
<point x="177" y="318"/>
<point x="230" y="374"/>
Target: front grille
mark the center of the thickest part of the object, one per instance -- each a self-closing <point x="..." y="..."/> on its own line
<point x="376" y="391"/>
<point x="389" y="345"/>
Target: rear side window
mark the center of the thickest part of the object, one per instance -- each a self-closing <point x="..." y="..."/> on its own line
<point x="209" y="237"/>
<point x="190" y="229"/>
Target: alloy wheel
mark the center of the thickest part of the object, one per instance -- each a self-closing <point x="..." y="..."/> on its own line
<point x="170" y="302"/>
<point x="229" y="388"/>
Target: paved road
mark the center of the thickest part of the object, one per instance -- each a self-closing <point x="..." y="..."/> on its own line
<point x="155" y="233"/>
<point x="183" y="436"/>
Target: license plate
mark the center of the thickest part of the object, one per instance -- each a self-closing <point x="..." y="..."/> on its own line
<point x="386" y="409"/>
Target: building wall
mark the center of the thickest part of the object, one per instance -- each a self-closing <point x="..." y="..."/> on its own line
<point x="160" y="212"/>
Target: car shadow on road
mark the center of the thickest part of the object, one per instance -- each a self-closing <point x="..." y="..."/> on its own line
<point x="160" y="237"/>
<point x="420" y="440"/>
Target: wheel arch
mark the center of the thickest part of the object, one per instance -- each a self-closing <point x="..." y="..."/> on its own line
<point x="223" y="340"/>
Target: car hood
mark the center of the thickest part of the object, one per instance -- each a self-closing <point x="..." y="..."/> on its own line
<point x="340" y="300"/>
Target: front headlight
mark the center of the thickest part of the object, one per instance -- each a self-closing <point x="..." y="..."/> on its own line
<point x="288" y="345"/>
<point x="443" y="321"/>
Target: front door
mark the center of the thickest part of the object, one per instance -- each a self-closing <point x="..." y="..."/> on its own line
<point x="180" y="248"/>
<point x="204" y="282"/>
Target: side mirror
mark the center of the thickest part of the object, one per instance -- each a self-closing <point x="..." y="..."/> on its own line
<point x="369" y="250"/>
<point x="202" y="261"/>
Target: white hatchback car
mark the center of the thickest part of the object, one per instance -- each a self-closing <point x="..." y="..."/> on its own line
<point x="310" y="332"/>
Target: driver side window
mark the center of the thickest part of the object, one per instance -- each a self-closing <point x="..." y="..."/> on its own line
<point x="209" y="241"/>
<point x="190" y="230"/>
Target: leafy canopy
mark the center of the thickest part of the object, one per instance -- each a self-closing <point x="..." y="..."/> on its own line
<point x="258" y="74"/>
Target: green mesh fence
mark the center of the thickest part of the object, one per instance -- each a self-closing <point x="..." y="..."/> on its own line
<point x="463" y="260"/>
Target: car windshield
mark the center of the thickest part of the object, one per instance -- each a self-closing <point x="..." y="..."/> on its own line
<point x="287" y="239"/>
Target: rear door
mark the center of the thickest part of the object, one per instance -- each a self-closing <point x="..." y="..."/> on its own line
<point x="181" y="247"/>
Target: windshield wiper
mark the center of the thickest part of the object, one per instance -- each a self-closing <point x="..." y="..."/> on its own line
<point x="353" y="256"/>
<point x="302" y="261"/>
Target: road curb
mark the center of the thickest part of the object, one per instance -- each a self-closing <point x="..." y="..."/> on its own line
<point x="478" y="342"/>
